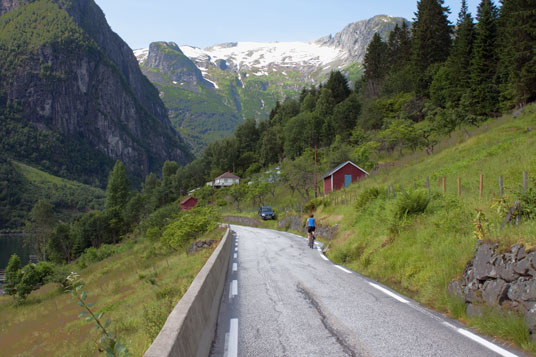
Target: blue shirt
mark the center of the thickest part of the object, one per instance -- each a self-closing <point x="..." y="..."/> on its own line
<point x="310" y="222"/>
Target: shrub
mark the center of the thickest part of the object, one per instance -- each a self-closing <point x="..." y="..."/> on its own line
<point x="94" y="255"/>
<point x="411" y="203"/>
<point x="368" y="195"/>
<point x="189" y="226"/>
<point x="316" y="203"/>
<point x="28" y="282"/>
<point x="13" y="275"/>
<point x="44" y="270"/>
<point x="528" y="204"/>
<point x="161" y="217"/>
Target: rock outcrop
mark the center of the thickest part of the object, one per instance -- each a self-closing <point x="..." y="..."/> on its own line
<point x="74" y="76"/>
<point x="500" y="279"/>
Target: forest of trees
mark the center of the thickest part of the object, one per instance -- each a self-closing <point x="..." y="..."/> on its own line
<point x="419" y="84"/>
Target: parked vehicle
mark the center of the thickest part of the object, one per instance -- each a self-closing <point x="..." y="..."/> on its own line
<point x="266" y="212"/>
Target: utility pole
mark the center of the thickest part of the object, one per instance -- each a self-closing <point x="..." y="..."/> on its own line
<point x="316" y="194"/>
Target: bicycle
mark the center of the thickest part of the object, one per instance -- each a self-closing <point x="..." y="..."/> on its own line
<point x="311" y="240"/>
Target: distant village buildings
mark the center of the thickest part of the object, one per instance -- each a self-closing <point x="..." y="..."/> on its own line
<point x="188" y="203"/>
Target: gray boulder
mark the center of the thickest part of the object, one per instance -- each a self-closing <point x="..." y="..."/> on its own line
<point x="495" y="292"/>
<point x="455" y="289"/>
<point x="524" y="289"/>
<point x="483" y="268"/>
<point x="472" y="292"/>
<point x="505" y="268"/>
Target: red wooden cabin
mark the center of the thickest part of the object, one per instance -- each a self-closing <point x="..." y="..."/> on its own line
<point x="342" y="176"/>
<point x="188" y="203"/>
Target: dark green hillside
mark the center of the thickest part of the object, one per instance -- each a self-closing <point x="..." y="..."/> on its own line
<point x="72" y="97"/>
<point x="21" y="186"/>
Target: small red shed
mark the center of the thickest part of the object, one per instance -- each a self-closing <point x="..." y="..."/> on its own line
<point x="342" y="176"/>
<point x="188" y="203"/>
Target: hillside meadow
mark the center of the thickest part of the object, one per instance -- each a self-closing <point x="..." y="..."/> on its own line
<point x="136" y="287"/>
<point x="417" y="240"/>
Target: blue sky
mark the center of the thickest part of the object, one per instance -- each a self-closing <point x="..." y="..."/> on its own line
<point x="208" y="22"/>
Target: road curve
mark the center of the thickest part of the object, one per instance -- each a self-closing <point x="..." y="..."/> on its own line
<point x="285" y="299"/>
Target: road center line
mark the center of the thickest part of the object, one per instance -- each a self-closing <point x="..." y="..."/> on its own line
<point x="486" y="343"/>
<point x="393" y="295"/>
<point x="233" y="339"/>
<point x="343" y="269"/>
<point x="234" y="287"/>
<point x="235" y="255"/>
<point x="235" y="267"/>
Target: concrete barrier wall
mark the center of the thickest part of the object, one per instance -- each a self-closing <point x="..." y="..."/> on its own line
<point x="189" y="329"/>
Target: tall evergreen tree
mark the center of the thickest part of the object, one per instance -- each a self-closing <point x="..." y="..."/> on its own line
<point x="482" y="99"/>
<point x="338" y="85"/>
<point x="453" y="80"/>
<point x="517" y="41"/>
<point x="399" y="44"/>
<point x="375" y="65"/>
<point x="430" y="42"/>
<point x="118" y="188"/>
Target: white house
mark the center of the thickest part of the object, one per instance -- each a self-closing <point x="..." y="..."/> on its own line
<point x="226" y="180"/>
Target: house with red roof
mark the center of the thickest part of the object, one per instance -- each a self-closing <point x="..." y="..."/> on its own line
<point x="188" y="203"/>
<point x="342" y="176"/>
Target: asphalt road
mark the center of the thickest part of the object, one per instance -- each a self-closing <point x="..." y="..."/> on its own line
<point x="285" y="299"/>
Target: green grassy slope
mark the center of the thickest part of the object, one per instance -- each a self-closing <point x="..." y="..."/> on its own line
<point x="420" y="254"/>
<point x="136" y="289"/>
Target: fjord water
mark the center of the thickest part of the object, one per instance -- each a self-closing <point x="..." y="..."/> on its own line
<point x="13" y="243"/>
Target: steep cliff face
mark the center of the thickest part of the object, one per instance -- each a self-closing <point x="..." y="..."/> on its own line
<point x="66" y="71"/>
<point x="355" y="37"/>
<point x="168" y="59"/>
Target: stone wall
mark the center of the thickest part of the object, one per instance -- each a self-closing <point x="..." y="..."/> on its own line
<point x="500" y="279"/>
<point x="296" y="223"/>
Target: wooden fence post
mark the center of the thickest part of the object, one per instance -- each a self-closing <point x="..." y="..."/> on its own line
<point x="481" y="185"/>
<point x="524" y="181"/>
<point x="500" y="186"/>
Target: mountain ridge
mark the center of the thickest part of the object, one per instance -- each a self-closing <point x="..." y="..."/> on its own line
<point x="250" y="77"/>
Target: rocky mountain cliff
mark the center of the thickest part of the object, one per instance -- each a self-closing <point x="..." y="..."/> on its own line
<point x="242" y="80"/>
<point x="66" y="72"/>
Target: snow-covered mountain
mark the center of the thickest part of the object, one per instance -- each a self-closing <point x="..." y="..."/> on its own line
<point x="249" y="77"/>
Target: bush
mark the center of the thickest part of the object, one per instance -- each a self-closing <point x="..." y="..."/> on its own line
<point x="161" y="217"/>
<point x="94" y="255"/>
<point x="189" y="226"/>
<point x="316" y="203"/>
<point x="528" y="204"/>
<point x="44" y="271"/>
<point x="367" y="196"/>
<point x="411" y="203"/>
<point x="29" y="281"/>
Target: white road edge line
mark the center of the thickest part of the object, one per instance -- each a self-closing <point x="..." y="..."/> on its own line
<point x="323" y="256"/>
<point x="235" y="267"/>
<point x="486" y="343"/>
<point x="343" y="269"/>
<point x="233" y="339"/>
<point x="385" y="291"/>
<point x="235" y="255"/>
<point x="234" y="287"/>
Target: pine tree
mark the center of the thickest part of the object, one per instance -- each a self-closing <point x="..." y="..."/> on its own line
<point x="118" y="188"/>
<point x="430" y="41"/>
<point x="517" y="40"/>
<point x="453" y="80"/>
<point x="375" y="65"/>
<point x="482" y="99"/>
<point x="399" y="44"/>
<point x="338" y="84"/>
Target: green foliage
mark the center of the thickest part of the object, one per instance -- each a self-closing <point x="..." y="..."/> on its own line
<point x="161" y="217"/>
<point x="13" y="275"/>
<point x="93" y="255"/>
<point x="316" y="203"/>
<point x="528" y="203"/>
<point x="368" y="195"/>
<point x="189" y="226"/>
<point x="108" y="341"/>
<point x="411" y="203"/>
<point x="28" y="282"/>
<point x="40" y="226"/>
<point x="155" y="316"/>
